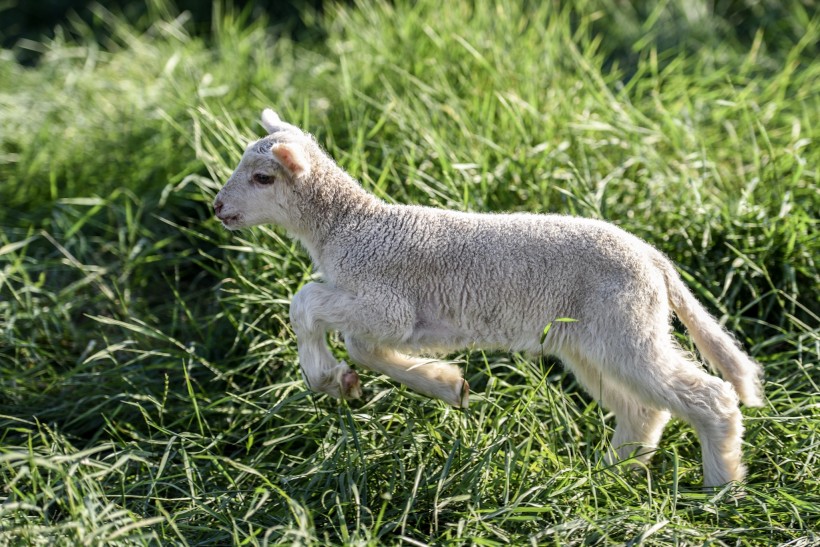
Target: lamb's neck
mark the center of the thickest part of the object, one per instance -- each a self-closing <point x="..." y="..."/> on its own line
<point x="336" y="201"/>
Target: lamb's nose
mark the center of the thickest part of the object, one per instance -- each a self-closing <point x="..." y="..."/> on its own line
<point x="218" y="206"/>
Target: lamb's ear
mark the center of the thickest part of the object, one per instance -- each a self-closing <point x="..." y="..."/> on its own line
<point x="292" y="157"/>
<point x="270" y="121"/>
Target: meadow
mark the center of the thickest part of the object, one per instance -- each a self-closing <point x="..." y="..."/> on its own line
<point x="150" y="387"/>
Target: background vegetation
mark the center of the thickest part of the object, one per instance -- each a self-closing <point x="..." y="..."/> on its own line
<point x="150" y="392"/>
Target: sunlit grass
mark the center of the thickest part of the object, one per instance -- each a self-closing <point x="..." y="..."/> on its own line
<point x="150" y="392"/>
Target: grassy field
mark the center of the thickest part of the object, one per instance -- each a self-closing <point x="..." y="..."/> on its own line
<point x="150" y="389"/>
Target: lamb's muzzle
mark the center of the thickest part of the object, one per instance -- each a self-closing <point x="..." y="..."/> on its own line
<point x="228" y="220"/>
<point x="402" y="280"/>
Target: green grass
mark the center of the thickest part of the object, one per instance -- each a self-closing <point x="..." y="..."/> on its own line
<point x="150" y="391"/>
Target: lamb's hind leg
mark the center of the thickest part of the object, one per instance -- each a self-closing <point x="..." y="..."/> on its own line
<point x="427" y="376"/>
<point x="711" y="406"/>
<point x="665" y="378"/>
<point x="638" y="427"/>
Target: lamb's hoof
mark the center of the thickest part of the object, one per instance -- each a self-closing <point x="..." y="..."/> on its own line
<point x="351" y="386"/>
<point x="465" y="394"/>
<point x="463" y="398"/>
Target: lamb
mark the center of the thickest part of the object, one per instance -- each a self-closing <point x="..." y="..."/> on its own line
<point x="402" y="281"/>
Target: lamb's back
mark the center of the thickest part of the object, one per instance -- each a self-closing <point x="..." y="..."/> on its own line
<point x="420" y="246"/>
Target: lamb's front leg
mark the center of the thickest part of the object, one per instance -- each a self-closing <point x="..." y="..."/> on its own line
<point x="429" y="377"/>
<point x="380" y="315"/>
<point x="312" y="313"/>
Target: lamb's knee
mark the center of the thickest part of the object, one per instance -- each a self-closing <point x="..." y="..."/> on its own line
<point x="710" y="403"/>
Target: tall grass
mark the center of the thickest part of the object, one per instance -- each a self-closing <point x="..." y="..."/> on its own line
<point x="150" y="392"/>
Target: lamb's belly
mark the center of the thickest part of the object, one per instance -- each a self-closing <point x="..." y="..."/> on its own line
<point x="504" y="327"/>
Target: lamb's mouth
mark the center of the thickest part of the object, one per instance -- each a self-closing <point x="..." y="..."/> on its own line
<point x="230" y="221"/>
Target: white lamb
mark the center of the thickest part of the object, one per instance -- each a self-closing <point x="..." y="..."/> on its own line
<point x="404" y="280"/>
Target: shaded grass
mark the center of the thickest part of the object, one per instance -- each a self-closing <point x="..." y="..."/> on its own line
<point x="150" y="392"/>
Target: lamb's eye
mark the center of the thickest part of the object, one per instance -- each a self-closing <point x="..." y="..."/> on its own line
<point x="261" y="178"/>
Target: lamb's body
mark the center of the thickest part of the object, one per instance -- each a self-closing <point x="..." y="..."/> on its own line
<point x="416" y="279"/>
<point x="492" y="281"/>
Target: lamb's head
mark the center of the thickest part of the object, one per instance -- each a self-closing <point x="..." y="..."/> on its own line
<point x="265" y="186"/>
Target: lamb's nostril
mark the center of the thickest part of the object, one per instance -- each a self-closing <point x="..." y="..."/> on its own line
<point x="218" y="206"/>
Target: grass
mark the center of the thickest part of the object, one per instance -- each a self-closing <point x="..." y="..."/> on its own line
<point x="150" y="392"/>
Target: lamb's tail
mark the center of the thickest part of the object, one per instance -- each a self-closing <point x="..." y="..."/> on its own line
<point x="713" y="342"/>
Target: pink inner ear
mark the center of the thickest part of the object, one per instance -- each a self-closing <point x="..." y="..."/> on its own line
<point x="291" y="158"/>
